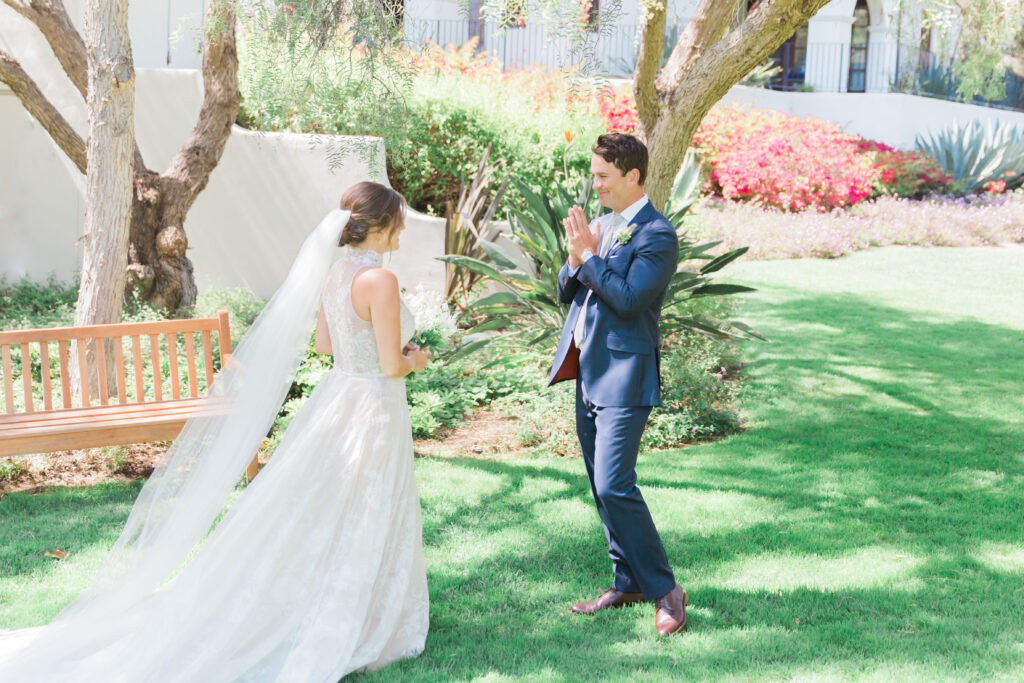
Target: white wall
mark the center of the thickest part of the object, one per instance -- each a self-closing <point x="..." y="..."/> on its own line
<point x="264" y="197"/>
<point x="166" y="33"/>
<point x="893" y="118"/>
<point x="40" y="207"/>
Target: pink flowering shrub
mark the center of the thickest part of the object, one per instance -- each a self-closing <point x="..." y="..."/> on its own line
<point x="791" y="163"/>
<point x="783" y="161"/>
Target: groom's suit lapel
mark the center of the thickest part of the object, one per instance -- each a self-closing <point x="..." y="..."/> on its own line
<point x="641" y="219"/>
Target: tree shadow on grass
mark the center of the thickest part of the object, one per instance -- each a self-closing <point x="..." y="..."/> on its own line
<point x="881" y="439"/>
<point x="878" y="438"/>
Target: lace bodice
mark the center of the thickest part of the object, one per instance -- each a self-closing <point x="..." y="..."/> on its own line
<point x="352" y="338"/>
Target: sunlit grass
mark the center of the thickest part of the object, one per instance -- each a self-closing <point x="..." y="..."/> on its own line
<point x="866" y="526"/>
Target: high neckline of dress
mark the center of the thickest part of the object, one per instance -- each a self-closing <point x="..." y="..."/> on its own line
<point x="367" y="256"/>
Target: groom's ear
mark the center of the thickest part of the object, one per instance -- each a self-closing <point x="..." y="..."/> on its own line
<point x="633" y="176"/>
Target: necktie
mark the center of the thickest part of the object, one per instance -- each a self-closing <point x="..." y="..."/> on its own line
<point x="608" y="227"/>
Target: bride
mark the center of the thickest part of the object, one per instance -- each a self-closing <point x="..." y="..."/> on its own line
<point x="317" y="569"/>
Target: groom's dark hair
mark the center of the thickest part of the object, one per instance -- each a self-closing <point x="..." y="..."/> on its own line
<point x="625" y="152"/>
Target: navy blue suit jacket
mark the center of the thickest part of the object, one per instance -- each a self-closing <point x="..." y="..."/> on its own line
<point x="619" y="361"/>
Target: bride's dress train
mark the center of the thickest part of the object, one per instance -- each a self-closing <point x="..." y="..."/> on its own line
<point x="316" y="571"/>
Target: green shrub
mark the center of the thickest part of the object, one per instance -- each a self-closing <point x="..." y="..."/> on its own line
<point x="442" y="395"/>
<point x="698" y="394"/>
<point x="242" y="306"/>
<point x="435" y="123"/>
<point x="699" y="391"/>
<point x="452" y="121"/>
<point x="27" y="305"/>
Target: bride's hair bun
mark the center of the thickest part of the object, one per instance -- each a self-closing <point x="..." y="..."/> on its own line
<point x="374" y="207"/>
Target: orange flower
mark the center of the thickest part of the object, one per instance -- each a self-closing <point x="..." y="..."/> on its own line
<point x="569" y="136"/>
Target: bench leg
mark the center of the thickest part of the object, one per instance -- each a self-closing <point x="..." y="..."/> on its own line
<point x="252" y="469"/>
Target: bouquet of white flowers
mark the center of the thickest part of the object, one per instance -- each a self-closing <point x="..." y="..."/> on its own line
<point x="436" y="328"/>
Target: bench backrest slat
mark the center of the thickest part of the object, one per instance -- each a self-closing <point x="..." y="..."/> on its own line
<point x="65" y="375"/>
<point x="103" y="349"/>
<point x="101" y="371"/>
<point x="5" y="358"/>
<point x="190" y="358"/>
<point x="44" y="360"/>
<point x="172" y="362"/>
<point x="122" y="393"/>
<point x="224" y="337"/>
<point x="83" y="375"/>
<point x="208" y="357"/>
<point x="26" y="377"/>
<point x="158" y="380"/>
<point x="140" y="391"/>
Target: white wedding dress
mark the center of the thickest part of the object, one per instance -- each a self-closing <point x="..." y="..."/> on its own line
<point x="315" y="571"/>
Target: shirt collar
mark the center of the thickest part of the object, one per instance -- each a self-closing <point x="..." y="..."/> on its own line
<point x="630" y="212"/>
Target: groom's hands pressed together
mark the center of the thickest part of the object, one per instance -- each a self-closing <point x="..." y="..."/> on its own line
<point x="579" y="236"/>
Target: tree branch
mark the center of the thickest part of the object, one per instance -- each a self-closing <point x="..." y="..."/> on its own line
<point x="191" y="166"/>
<point x="726" y="62"/>
<point x="709" y="78"/>
<point x="710" y="22"/>
<point x="52" y="20"/>
<point x="652" y="39"/>
<point x="39" y="107"/>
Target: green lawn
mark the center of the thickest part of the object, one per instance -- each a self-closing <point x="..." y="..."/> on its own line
<point x="869" y="523"/>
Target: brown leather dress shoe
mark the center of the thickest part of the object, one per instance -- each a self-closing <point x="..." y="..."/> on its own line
<point x="670" y="612"/>
<point x="610" y="598"/>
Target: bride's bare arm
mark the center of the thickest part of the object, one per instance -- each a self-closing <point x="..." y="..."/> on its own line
<point x="375" y="298"/>
<point x="322" y="339"/>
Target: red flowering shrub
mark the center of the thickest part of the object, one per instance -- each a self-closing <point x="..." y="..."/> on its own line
<point x="791" y="163"/>
<point x="995" y="186"/>
<point x="903" y="174"/>
<point x="783" y="161"/>
<point x="618" y="111"/>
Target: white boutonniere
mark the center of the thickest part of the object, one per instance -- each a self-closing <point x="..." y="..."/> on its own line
<point x="624" y="235"/>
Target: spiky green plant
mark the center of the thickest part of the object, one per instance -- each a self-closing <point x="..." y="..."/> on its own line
<point x="975" y="154"/>
<point x="526" y="302"/>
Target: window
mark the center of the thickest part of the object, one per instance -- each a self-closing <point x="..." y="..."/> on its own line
<point x="859" y="47"/>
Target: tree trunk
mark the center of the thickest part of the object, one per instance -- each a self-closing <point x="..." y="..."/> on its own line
<point x="708" y="60"/>
<point x="156" y="267"/>
<point x="159" y="267"/>
<point x="158" y="270"/>
<point x="109" y="152"/>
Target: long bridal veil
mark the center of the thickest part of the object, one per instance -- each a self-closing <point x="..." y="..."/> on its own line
<point x="182" y="498"/>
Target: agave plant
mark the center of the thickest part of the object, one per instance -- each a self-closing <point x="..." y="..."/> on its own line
<point x="976" y="155"/>
<point x="526" y="302"/>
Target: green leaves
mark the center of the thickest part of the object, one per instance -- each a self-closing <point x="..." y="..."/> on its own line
<point x="526" y="301"/>
<point x="721" y="261"/>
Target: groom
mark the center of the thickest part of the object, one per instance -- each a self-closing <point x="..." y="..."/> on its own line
<point x="615" y="280"/>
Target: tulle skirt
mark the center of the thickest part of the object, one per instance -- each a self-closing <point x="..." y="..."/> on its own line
<point x="316" y="571"/>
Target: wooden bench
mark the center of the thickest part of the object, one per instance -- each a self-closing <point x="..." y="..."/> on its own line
<point x="108" y="418"/>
